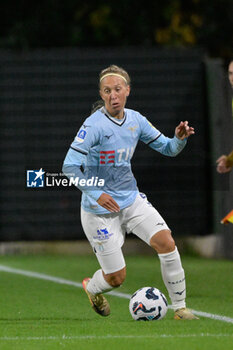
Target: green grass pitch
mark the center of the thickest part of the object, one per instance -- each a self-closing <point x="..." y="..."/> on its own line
<point x="41" y="314"/>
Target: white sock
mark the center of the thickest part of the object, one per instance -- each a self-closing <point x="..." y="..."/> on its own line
<point x="98" y="284"/>
<point x="174" y="278"/>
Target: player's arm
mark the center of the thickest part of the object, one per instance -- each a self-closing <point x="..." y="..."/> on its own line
<point x="165" y="145"/>
<point x="72" y="169"/>
<point x="86" y="138"/>
<point x="172" y="147"/>
<point x="168" y="146"/>
<point x="73" y="162"/>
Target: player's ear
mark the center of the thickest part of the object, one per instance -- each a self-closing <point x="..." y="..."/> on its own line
<point x="128" y="90"/>
<point x="100" y="92"/>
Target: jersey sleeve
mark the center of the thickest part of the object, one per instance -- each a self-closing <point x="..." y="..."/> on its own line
<point x="167" y="146"/>
<point x="148" y="132"/>
<point x="87" y="137"/>
<point x="157" y="141"/>
<point x="72" y="169"/>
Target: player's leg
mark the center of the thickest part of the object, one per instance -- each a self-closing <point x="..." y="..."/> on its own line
<point x="171" y="267"/>
<point x="115" y="279"/>
<point x="101" y="283"/>
<point x="172" y="272"/>
<point x="149" y="229"/>
<point x="111" y="275"/>
<point x="106" y="238"/>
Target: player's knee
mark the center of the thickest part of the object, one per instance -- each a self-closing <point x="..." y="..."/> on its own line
<point x="163" y="242"/>
<point x="168" y="246"/>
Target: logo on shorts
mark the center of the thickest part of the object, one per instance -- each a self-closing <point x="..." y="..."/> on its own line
<point x="145" y="197"/>
<point x="103" y="234"/>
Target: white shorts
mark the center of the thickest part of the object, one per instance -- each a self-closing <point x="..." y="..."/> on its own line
<point x="106" y="232"/>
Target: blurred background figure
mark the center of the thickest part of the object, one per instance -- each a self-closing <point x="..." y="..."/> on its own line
<point x="225" y="163"/>
<point x="230" y="73"/>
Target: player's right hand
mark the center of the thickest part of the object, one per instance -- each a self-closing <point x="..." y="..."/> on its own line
<point x="107" y="202"/>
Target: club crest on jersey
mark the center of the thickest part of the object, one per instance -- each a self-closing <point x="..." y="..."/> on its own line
<point x="81" y="135"/>
<point x="133" y="128"/>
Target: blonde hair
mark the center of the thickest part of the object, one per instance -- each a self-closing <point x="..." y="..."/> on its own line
<point x="115" y="70"/>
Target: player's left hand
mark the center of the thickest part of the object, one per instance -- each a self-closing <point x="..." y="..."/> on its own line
<point x="183" y="130"/>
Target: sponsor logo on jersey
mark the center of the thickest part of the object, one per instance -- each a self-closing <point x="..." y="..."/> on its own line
<point x="107" y="157"/>
<point x="86" y="126"/>
<point x="121" y="154"/>
<point x="108" y="136"/>
<point x="81" y="135"/>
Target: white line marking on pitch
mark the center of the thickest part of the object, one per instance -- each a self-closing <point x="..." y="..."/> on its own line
<point x="112" y="336"/>
<point x="79" y="285"/>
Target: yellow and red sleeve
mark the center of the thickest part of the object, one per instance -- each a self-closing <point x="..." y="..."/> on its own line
<point x="229" y="160"/>
<point x="228" y="218"/>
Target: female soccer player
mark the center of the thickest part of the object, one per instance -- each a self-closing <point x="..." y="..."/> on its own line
<point x="112" y="205"/>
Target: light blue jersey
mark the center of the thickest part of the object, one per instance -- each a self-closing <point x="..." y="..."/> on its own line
<point x="100" y="156"/>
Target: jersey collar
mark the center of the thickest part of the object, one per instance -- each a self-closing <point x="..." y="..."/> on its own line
<point x="116" y="121"/>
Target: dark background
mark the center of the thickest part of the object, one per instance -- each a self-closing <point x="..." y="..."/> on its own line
<point x="31" y="24"/>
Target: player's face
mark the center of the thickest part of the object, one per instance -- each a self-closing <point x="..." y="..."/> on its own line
<point x="114" y="92"/>
<point x="230" y="74"/>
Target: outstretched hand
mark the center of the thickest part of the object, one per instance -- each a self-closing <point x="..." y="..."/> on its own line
<point x="183" y="130"/>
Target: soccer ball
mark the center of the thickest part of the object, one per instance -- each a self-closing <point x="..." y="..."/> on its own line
<point x="148" y="304"/>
